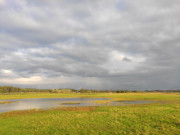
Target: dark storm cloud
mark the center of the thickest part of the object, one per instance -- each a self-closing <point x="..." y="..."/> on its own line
<point x="117" y="44"/>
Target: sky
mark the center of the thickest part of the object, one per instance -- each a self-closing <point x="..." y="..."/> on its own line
<point x="93" y="44"/>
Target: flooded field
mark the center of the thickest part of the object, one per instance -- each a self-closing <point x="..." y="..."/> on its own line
<point x="47" y="103"/>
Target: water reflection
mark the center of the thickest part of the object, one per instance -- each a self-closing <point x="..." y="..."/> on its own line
<point x="36" y="103"/>
<point x="24" y="104"/>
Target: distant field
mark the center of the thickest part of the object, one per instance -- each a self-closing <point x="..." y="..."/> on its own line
<point x="120" y="96"/>
<point x="161" y="117"/>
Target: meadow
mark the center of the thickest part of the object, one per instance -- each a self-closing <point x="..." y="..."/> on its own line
<point x="160" y="117"/>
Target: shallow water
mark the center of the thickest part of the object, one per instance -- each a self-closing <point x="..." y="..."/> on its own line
<point x="45" y="103"/>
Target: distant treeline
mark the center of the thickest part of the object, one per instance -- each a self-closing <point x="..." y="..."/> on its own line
<point x="10" y="89"/>
<point x="162" y="90"/>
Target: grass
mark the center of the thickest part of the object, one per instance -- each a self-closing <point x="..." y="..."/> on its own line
<point x="158" y="118"/>
<point x="117" y="96"/>
<point x="7" y="102"/>
<point x="73" y="103"/>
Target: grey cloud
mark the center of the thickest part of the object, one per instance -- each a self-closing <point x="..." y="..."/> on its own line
<point x="92" y="44"/>
<point x="127" y="59"/>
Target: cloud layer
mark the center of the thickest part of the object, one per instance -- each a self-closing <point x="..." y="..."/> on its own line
<point x="109" y="44"/>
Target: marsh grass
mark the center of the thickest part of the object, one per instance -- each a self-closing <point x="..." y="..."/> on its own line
<point x="21" y="112"/>
<point x="116" y="96"/>
<point x="41" y="110"/>
<point x="178" y="122"/>
<point x="72" y="103"/>
<point x="7" y="102"/>
<point x="157" y="118"/>
<point x="101" y="101"/>
<point x="135" y="119"/>
<point x="77" y="109"/>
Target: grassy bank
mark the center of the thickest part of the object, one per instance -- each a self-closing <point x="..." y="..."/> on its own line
<point x="119" y="96"/>
<point x="159" y="118"/>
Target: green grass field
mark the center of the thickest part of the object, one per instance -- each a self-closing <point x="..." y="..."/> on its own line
<point x="161" y="117"/>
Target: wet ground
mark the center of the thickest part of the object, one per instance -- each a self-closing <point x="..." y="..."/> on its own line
<point x="45" y="103"/>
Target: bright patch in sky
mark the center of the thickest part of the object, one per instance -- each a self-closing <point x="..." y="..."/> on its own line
<point x="5" y="71"/>
<point x="120" y="62"/>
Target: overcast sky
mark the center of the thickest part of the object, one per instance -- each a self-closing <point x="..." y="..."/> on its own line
<point x="95" y="44"/>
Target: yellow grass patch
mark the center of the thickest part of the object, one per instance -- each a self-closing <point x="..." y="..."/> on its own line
<point x="77" y="109"/>
<point x="7" y="102"/>
<point x="21" y="112"/>
<point x="101" y="101"/>
<point x="32" y="111"/>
